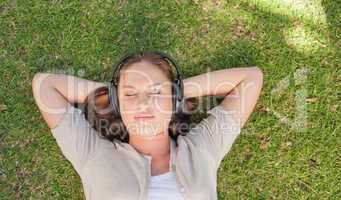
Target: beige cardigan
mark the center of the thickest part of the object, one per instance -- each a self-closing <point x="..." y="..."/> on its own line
<point x="123" y="173"/>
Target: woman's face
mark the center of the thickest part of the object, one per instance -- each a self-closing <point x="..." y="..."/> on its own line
<point x="145" y="99"/>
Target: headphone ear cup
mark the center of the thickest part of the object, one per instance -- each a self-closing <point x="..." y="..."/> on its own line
<point x="173" y="98"/>
<point x="176" y="101"/>
<point x="113" y="99"/>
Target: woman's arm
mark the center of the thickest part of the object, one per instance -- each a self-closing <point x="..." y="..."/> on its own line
<point x="240" y="87"/>
<point x="53" y="93"/>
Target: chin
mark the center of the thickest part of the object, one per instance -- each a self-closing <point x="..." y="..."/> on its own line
<point x="148" y="136"/>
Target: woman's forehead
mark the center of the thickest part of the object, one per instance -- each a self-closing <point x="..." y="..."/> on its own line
<point x="143" y="73"/>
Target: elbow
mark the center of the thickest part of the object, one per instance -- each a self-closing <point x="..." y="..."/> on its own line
<point x="260" y="75"/>
<point x="37" y="76"/>
<point x="257" y="71"/>
<point x="40" y="79"/>
<point x="255" y="76"/>
<point x="35" y="80"/>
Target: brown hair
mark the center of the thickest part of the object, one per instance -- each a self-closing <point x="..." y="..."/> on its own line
<point x="113" y="129"/>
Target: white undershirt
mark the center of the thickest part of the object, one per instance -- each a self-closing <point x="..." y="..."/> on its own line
<point x="164" y="187"/>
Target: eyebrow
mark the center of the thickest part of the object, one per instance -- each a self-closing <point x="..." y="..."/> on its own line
<point x="154" y="84"/>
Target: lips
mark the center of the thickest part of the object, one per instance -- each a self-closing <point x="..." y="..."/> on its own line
<point x="144" y="116"/>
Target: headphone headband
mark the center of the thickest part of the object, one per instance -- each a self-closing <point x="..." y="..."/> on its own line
<point x="164" y="56"/>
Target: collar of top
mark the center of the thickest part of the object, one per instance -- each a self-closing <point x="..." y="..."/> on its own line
<point x="172" y="162"/>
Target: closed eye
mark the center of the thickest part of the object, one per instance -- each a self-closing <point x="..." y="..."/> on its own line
<point x="150" y="93"/>
<point x="155" y="93"/>
<point x="128" y="95"/>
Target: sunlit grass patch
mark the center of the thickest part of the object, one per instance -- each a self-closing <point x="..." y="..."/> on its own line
<point x="309" y="10"/>
<point x="303" y="39"/>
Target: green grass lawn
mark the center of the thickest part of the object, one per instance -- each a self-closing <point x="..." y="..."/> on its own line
<point x="289" y="149"/>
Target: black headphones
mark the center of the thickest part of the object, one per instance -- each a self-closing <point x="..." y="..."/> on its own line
<point x="177" y="84"/>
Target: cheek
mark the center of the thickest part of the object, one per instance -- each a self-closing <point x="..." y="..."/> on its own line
<point x="163" y="112"/>
<point x="127" y="112"/>
<point x="163" y="106"/>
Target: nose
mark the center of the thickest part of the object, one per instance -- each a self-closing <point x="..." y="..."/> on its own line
<point x="144" y="101"/>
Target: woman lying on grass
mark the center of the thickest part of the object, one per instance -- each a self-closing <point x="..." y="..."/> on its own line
<point x="149" y="152"/>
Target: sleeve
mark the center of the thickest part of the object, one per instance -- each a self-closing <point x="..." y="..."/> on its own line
<point x="216" y="133"/>
<point x="75" y="137"/>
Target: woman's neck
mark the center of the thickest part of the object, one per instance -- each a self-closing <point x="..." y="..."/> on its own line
<point x="157" y="147"/>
